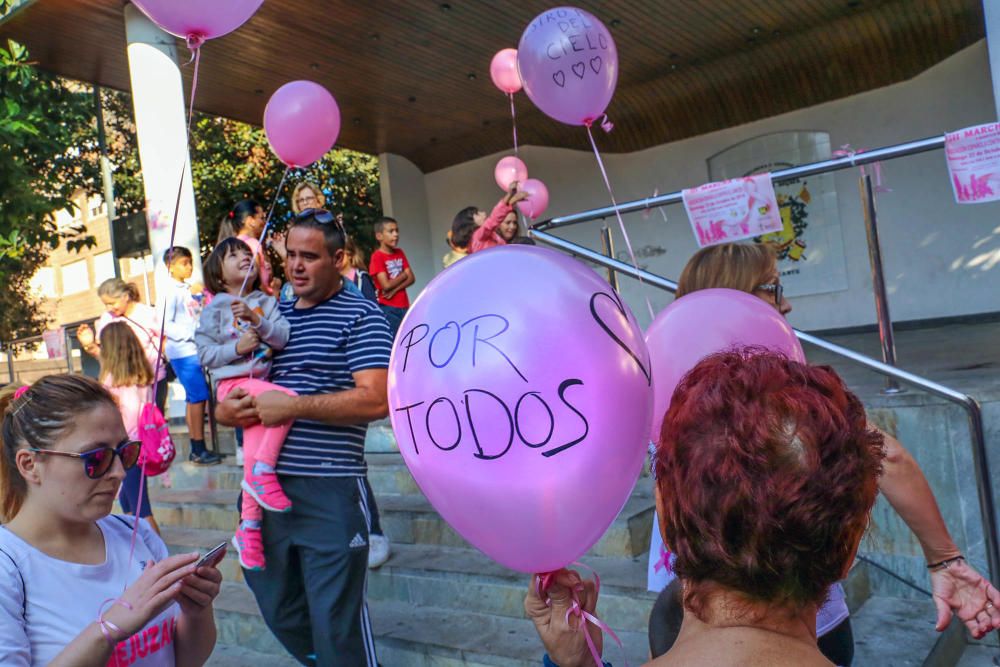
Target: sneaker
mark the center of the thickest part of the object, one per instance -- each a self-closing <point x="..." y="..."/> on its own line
<point x="250" y="546"/>
<point x="266" y="490"/>
<point x="378" y="550"/>
<point x="206" y="458"/>
<point x="239" y="456"/>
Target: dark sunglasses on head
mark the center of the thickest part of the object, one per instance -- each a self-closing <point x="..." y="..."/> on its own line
<point x="320" y="215"/>
<point x="97" y="462"/>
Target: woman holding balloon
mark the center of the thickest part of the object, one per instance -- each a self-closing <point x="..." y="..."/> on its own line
<point x="956" y="585"/>
<point x="501" y="225"/>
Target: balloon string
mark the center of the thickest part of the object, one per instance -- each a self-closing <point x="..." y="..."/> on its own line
<point x="263" y="234"/>
<point x="618" y="215"/>
<point x="194" y="44"/>
<point x="513" y="118"/>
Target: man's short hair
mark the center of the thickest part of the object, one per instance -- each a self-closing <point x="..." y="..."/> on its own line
<point x="382" y="222"/>
<point x="333" y="233"/>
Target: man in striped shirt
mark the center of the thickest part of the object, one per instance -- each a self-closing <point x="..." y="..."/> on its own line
<point x="312" y="594"/>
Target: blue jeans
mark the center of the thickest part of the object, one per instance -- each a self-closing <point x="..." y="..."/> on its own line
<point x="394" y="316"/>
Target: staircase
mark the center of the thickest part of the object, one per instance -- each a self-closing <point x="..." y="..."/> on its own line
<point x="438" y="602"/>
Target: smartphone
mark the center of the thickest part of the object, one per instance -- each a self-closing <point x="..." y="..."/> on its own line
<point x="212" y="558"/>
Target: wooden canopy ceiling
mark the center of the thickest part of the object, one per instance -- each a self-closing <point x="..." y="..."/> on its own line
<point x="412" y="76"/>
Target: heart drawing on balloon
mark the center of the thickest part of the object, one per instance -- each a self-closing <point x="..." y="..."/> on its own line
<point x="615" y="300"/>
<point x="560" y="78"/>
<point x="579" y="69"/>
<point x="595" y="64"/>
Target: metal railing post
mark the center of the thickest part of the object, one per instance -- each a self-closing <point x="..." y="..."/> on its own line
<point x="68" y="347"/>
<point x="885" y="336"/>
<point x="608" y="248"/>
<point x="10" y="363"/>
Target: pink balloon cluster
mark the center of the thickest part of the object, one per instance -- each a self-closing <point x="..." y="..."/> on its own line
<point x="568" y="64"/>
<point x="198" y="20"/>
<point x="302" y="122"/>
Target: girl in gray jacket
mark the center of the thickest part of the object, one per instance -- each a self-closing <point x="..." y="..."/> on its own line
<point x="235" y="337"/>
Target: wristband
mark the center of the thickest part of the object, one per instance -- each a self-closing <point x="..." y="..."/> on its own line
<point x="943" y="565"/>
<point x="104" y="624"/>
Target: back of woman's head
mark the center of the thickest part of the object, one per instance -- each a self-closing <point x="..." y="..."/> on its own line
<point x="739" y="266"/>
<point x="232" y="222"/>
<point x="123" y="361"/>
<point x="114" y="288"/>
<point x="212" y="268"/>
<point x="354" y="256"/>
<point x="768" y="472"/>
<point x="37" y="417"/>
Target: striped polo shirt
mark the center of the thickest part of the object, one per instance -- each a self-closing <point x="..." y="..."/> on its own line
<point x="329" y="341"/>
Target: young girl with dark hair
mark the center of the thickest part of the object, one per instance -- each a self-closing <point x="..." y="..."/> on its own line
<point x="246" y="222"/>
<point x="235" y="336"/>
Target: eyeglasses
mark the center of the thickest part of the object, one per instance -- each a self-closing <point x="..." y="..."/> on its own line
<point x="97" y="462"/>
<point x="322" y="216"/>
<point x="776" y="287"/>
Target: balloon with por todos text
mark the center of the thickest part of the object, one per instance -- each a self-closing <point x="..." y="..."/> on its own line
<point x="198" y="20"/>
<point x="520" y="395"/>
<point x="503" y="71"/>
<point x="538" y="198"/>
<point x="302" y="122"/>
<point x="703" y="323"/>
<point x="568" y="65"/>
<point x="508" y="170"/>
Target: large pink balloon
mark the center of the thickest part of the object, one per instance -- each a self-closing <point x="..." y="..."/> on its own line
<point x="568" y="64"/>
<point x="302" y="121"/>
<point x="538" y="198"/>
<point x="508" y="170"/>
<point x="503" y="71"/>
<point x="201" y="19"/>
<point x="523" y="420"/>
<point x="702" y="323"/>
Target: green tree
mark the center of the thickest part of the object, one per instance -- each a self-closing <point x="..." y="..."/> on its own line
<point x="41" y="122"/>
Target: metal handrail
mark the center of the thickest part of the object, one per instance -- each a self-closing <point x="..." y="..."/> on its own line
<point x="970" y="405"/>
<point x="792" y="173"/>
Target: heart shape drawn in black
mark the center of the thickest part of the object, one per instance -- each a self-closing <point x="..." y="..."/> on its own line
<point x="560" y="78"/>
<point x="595" y="64"/>
<point x="615" y="300"/>
<point x="579" y="69"/>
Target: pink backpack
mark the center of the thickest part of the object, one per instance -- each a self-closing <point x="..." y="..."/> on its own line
<point x="158" y="449"/>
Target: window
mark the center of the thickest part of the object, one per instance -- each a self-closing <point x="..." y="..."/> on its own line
<point x="43" y="282"/>
<point x="95" y="206"/>
<point x="64" y="218"/>
<point x="75" y="277"/>
<point x="141" y="265"/>
<point x="104" y="267"/>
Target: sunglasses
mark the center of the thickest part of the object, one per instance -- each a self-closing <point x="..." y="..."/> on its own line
<point x="97" y="462"/>
<point x="777" y="288"/>
<point x="322" y="216"/>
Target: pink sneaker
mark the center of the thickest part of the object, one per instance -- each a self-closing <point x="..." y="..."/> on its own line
<point x="266" y="490"/>
<point x="250" y="546"/>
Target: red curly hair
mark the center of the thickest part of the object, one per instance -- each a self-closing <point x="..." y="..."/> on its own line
<point x="768" y="472"/>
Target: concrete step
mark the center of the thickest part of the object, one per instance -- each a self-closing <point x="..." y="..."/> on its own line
<point x="407" y="519"/>
<point x="418" y="636"/>
<point x="226" y="655"/>
<point x="190" y="476"/>
<point x="898" y="632"/>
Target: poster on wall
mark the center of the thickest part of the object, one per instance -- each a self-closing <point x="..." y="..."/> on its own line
<point x="810" y="243"/>
<point x="973" y="156"/>
<point x="733" y="210"/>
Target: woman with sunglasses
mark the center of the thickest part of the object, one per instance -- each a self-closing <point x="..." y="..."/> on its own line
<point x="126" y="373"/>
<point x="73" y="589"/>
<point x="956" y="585"/>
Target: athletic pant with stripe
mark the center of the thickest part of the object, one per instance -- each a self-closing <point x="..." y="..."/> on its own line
<point x="312" y="593"/>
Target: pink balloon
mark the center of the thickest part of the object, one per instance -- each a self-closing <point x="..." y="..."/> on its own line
<point x="508" y="170"/>
<point x="525" y="438"/>
<point x="199" y="18"/>
<point x="568" y="64"/>
<point x="503" y="71"/>
<point x="538" y="198"/>
<point x="302" y="121"/>
<point x="702" y="323"/>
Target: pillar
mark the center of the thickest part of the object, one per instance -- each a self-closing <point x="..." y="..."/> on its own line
<point x="161" y="128"/>
<point x="991" y="14"/>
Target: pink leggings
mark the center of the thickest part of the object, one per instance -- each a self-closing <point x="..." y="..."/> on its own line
<point x="260" y="443"/>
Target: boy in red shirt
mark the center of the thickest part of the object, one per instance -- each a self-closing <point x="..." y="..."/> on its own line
<point x="392" y="273"/>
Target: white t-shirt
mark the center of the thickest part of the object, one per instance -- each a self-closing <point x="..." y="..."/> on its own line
<point x="45" y="602"/>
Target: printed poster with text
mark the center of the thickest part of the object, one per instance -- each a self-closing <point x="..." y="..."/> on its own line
<point x="973" y="156"/>
<point x="740" y="208"/>
<point x="810" y="244"/>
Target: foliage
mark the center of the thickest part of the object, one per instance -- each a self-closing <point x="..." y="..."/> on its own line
<point x="41" y="122"/>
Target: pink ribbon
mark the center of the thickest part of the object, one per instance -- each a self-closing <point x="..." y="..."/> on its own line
<point x="513" y="119"/>
<point x="606" y="124"/>
<point x="664" y="562"/>
<point x="545" y="581"/>
<point x="847" y="151"/>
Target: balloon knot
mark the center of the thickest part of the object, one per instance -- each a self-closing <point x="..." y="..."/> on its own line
<point x="195" y="41"/>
